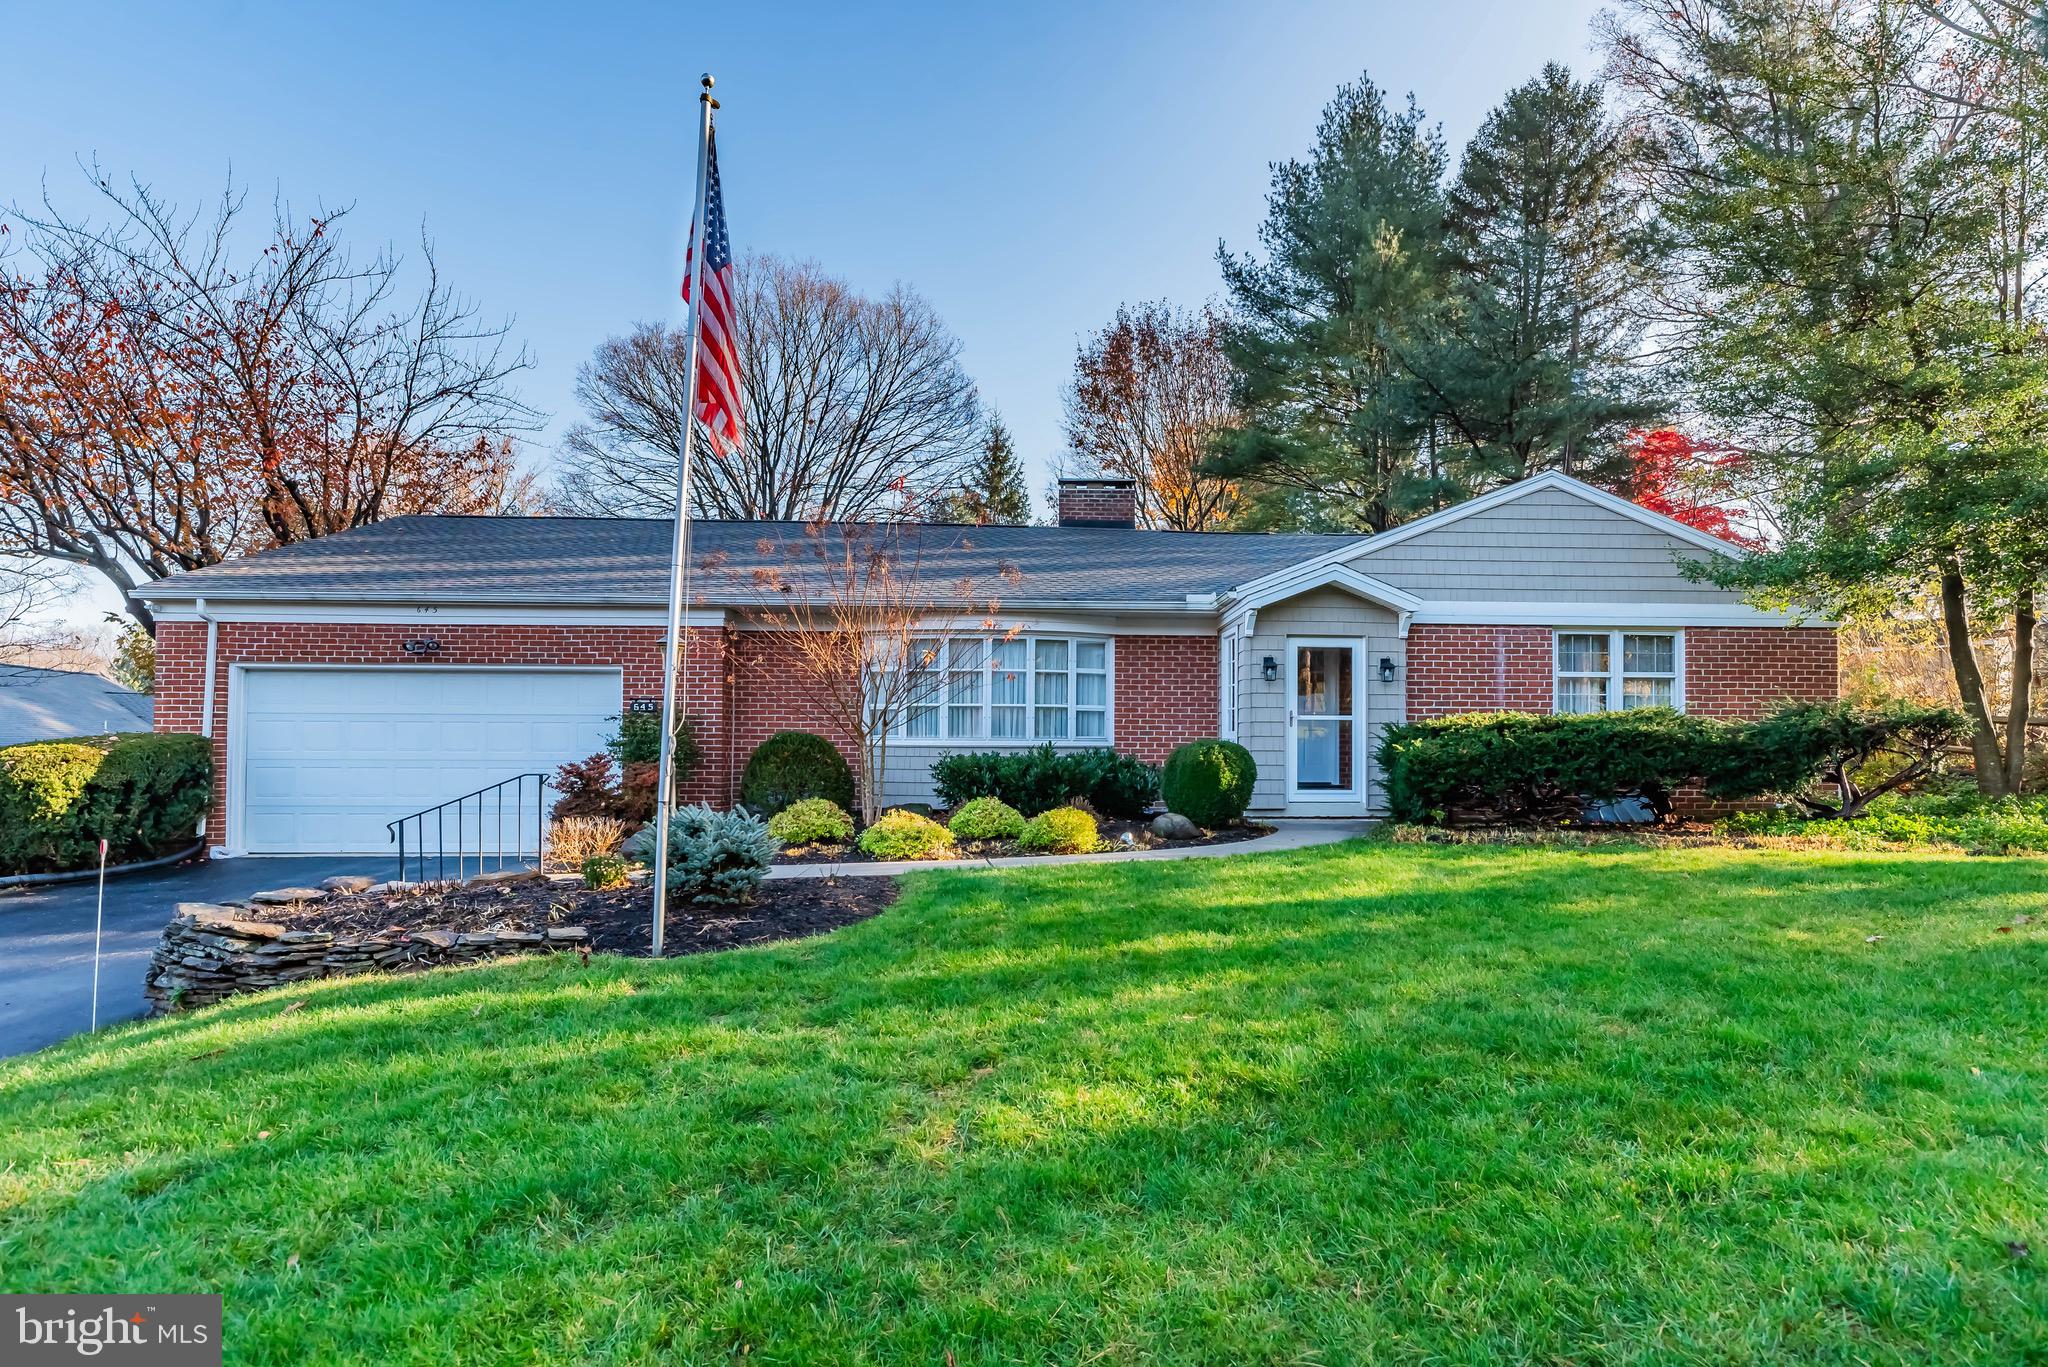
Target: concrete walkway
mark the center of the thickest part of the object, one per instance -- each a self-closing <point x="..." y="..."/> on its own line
<point x="1287" y="835"/>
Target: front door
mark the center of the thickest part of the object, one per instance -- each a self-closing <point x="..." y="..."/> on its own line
<point x="1322" y="721"/>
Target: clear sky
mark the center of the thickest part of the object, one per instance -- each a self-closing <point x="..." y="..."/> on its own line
<point x="1025" y="166"/>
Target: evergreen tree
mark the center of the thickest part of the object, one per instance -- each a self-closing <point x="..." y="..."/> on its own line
<point x="1839" y="290"/>
<point x="1531" y="372"/>
<point x="1354" y="281"/>
<point x="992" y="492"/>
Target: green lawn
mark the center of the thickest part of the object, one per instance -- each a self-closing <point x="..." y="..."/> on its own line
<point x="1361" y="1104"/>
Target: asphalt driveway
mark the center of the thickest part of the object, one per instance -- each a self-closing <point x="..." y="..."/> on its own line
<point x="46" y="937"/>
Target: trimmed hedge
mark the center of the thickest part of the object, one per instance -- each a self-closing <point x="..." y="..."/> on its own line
<point x="1523" y="767"/>
<point x="1209" y="781"/>
<point x="792" y="765"/>
<point x="1042" y="778"/>
<point x="143" y="792"/>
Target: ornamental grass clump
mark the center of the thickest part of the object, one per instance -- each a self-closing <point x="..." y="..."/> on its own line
<point x="906" y="835"/>
<point x="986" y="818"/>
<point x="1063" y="830"/>
<point x="713" y="856"/>
<point x="811" y="821"/>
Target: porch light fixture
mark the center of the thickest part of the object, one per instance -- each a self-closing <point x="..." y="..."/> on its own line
<point x="424" y="645"/>
<point x="1270" y="668"/>
<point x="1386" y="669"/>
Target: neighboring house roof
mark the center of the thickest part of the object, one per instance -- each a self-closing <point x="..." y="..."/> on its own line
<point x="49" y="704"/>
<point x="621" y="560"/>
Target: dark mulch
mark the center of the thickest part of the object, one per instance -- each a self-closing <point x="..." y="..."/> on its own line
<point x="619" y="920"/>
<point x="1114" y="831"/>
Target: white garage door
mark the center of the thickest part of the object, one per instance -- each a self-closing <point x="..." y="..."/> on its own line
<point x="330" y="755"/>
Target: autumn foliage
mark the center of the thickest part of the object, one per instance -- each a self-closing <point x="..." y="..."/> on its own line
<point x="1687" y="480"/>
<point x="166" y="404"/>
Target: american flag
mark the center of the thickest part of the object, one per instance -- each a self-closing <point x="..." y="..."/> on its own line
<point x="718" y="370"/>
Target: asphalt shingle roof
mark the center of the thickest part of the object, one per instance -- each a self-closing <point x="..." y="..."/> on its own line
<point x="625" y="561"/>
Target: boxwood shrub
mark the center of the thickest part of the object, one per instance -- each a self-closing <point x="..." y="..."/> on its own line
<point x="1042" y="778"/>
<point x="1209" y="781"/>
<point x="792" y="765"/>
<point x="811" y="821"/>
<point x="1063" y="830"/>
<point x="142" y="792"/>
<point x="986" y="818"/>
<point x="906" y="835"/>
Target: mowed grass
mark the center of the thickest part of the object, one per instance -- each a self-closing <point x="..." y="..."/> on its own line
<point x="1364" y="1104"/>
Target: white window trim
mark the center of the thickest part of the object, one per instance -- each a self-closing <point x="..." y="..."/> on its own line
<point x="1226" y="683"/>
<point x="1614" y="661"/>
<point x="899" y="734"/>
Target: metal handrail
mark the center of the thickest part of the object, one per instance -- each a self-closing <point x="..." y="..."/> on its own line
<point x="492" y="799"/>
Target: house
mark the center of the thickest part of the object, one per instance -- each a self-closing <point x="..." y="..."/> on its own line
<point x="354" y="679"/>
<point x="50" y="704"/>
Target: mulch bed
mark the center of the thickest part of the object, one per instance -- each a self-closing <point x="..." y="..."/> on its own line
<point x="971" y="850"/>
<point x="618" y="920"/>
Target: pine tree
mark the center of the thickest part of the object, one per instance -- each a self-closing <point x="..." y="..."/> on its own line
<point x="1840" y="305"/>
<point x="992" y="492"/>
<point x="1353" y="283"/>
<point x="1532" y="371"/>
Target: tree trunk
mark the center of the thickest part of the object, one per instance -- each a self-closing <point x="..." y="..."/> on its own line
<point x="1962" y="658"/>
<point x="2022" y="691"/>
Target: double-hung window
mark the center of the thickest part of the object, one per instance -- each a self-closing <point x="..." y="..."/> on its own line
<point x="1611" y="671"/>
<point x="1018" y="688"/>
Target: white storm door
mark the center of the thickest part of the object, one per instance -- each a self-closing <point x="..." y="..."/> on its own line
<point x="1323" y="723"/>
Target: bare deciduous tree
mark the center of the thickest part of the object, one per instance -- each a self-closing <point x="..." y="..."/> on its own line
<point x="859" y="628"/>
<point x="1150" y="392"/>
<point x="166" y="404"/>
<point x="856" y="409"/>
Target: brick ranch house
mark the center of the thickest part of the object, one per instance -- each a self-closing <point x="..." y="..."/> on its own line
<point x="354" y="679"/>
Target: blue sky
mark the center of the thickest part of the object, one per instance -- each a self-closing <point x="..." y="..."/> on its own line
<point x="1026" y="167"/>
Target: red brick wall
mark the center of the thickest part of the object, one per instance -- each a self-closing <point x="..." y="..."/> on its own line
<point x="737" y="690"/>
<point x="181" y="656"/>
<point x="1477" y="669"/>
<point x="1729" y="671"/>
<point x="1744" y="671"/>
<point x="1166" y="691"/>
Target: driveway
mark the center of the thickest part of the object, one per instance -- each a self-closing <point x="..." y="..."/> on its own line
<point x="46" y="937"/>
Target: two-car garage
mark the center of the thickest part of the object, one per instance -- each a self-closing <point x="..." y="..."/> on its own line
<point x="325" y="757"/>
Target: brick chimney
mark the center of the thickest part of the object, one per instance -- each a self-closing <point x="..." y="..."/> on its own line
<point x="1099" y="503"/>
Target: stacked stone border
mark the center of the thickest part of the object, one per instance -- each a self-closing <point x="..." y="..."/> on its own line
<point x="210" y="953"/>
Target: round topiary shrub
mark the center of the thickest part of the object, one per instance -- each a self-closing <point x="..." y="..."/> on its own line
<point x="986" y="818"/>
<point x="1063" y="830"/>
<point x="906" y="835"/>
<point x="792" y="765"/>
<point x="1209" y="781"/>
<point x="811" y="821"/>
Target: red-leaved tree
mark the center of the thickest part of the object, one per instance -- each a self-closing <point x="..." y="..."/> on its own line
<point x="1689" y="481"/>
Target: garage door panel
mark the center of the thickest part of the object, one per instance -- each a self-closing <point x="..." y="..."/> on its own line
<point x="330" y="756"/>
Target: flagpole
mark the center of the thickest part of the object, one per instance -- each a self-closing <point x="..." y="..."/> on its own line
<point x="679" y="553"/>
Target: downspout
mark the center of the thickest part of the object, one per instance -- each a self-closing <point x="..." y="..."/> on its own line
<point x="206" y="691"/>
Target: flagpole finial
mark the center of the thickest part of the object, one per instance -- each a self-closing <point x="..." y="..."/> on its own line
<point x="706" y="81"/>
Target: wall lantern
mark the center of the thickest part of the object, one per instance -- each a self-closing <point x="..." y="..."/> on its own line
<point x="1270" y="668"/>
<point x="425" y="645"/>
<point x="1386" y="669"/>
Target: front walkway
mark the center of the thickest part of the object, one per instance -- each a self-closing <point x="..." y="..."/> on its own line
<point x="1287" y="835"/>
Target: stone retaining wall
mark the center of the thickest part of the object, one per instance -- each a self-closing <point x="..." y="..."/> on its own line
<point x="210" y="953"/>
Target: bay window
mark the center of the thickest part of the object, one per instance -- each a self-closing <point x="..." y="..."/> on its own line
<point x="1610" y="671"/>
<point x="1020" y="689"/>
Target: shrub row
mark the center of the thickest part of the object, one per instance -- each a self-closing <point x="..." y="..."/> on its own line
<point x="1043" y="778"/>
<point x="142" y="792"/>
<point x="1521" y="767"/>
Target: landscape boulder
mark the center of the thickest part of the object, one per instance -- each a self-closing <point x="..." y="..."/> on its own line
<point x="1174" y="826"/>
